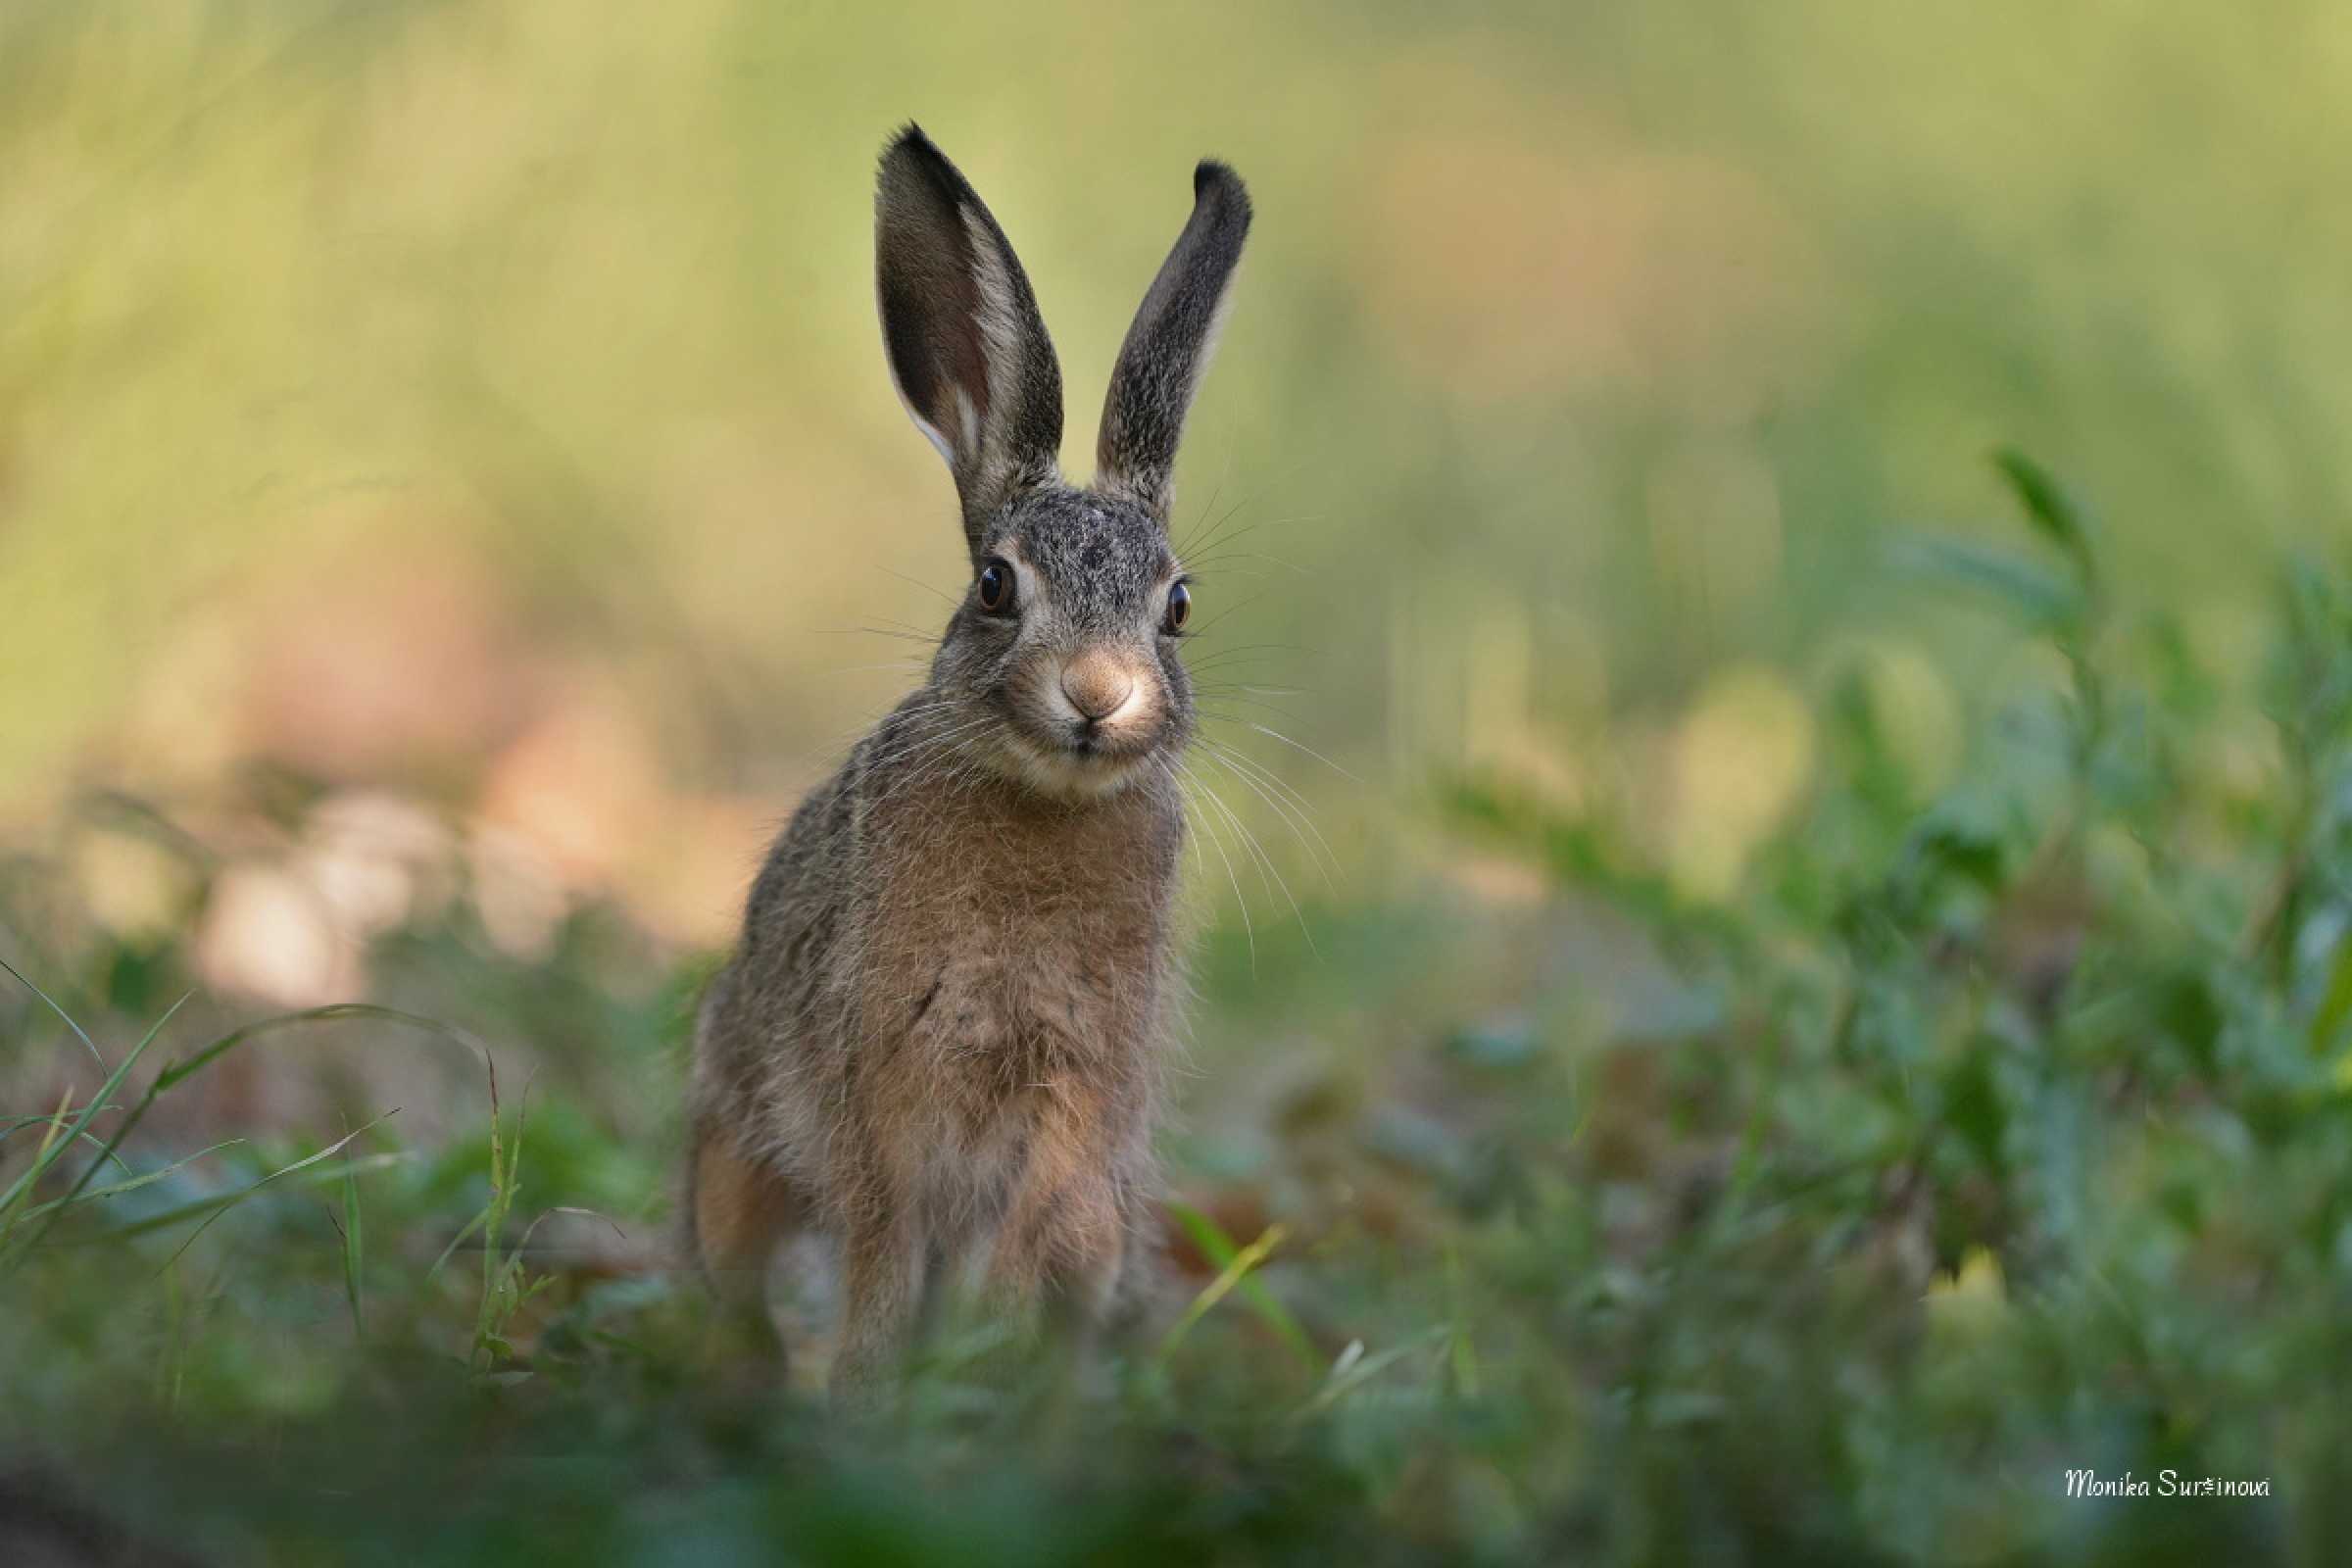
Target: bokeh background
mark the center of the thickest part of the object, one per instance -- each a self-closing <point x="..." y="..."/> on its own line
<point x="452" y="504"/>
<point x="482" y="405"/>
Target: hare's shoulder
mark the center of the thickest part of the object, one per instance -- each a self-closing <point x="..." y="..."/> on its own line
<point x="817" y="835"/>
<point x="799" y="899"/>
<point x="823" y="866"/>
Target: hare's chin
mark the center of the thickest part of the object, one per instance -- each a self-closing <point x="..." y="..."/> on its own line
<point x="1068" y="774"/>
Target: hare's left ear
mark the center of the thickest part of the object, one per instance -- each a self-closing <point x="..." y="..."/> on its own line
<point x="967" y="349"/>
<point x="1169" y="346"/>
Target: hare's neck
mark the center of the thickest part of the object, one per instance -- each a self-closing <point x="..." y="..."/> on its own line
<point x="1117" y="847"/>
<point x="996" y="852"/>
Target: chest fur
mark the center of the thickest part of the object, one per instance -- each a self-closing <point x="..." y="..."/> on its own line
<point x="1037" y="938"/>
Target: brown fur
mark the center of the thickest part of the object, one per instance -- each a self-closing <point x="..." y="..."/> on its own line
<point x="942" y="1036"/>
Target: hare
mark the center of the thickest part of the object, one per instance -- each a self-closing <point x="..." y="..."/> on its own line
<point x="939" y="1042"/>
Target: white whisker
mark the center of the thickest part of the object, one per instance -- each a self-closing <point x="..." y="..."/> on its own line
<point x="1275" y="734"/>
<point x="1248" y="932"/>
<point x="1294" y="813"/>
<point x="1266" y="869"/>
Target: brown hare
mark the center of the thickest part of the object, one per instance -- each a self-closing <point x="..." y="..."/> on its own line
<point x="940" y="1040"/>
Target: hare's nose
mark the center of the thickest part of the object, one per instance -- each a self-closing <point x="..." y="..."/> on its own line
<point x="1096" y="686"/>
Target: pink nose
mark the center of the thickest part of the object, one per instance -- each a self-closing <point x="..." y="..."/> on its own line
<point x="1094" y="686"/>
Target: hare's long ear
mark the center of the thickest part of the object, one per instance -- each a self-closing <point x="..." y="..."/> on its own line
<point x="1169" y="346"/>
<point x="966" y="347"/>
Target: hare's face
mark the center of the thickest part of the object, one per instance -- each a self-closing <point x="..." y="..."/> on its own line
<point x="1067" y="639"/>
<point x="1063" y="654"/>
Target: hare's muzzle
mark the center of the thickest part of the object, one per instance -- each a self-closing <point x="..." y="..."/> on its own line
<point x="1096" y="686"/>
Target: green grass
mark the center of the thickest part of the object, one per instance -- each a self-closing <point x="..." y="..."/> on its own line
<point x="1981" y="1136"/>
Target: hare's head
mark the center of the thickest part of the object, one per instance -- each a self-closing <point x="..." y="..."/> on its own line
<point x="1062" y="656"/>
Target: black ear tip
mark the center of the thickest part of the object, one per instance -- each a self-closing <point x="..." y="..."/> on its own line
<point x="911" y="149"/>
<point x="1214" y="181"/>
<point x="914" y="167"/>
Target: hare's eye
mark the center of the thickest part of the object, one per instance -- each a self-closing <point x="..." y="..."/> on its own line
<point x="1180" y="606"/>
<point x="996" y="588"/>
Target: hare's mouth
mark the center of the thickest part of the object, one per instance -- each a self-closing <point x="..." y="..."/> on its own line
<point x="1082" y="762"/>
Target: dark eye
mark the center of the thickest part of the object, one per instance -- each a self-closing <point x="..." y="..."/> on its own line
<point x="996" y="588"/>
<point x="1180" y="606"/>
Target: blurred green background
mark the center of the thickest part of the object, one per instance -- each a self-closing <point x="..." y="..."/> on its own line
<point x="484" y="401"/>
<point x="1737" y="1043"/>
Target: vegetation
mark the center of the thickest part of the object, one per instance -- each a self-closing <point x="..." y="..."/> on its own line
<point x="1767" y="986"/>
<point x="1966" y="1146"/>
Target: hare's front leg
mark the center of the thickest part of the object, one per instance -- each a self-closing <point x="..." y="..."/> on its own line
<point x="884" y="1268"/>
<point x="1065" y="1237"/>
<point x="1062" y="1247"/>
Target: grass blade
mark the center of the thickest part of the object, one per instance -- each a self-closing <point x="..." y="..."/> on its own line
<point x="179" y="1071"/>
<point x="238" y="1196"/>
<point x="19" y="976"/>
<point x="1354" y="1369"/>
<point x="41" y="1160"/>
<point x="1216" y="1290"/>
<point x="217" y="1200"/>
<point x="1219" y="1248"/>
<point x="480" y="1218"/>
<point x="352" y="1243"/>
<point x="134" y="1183"/>
<point x="106" y="1093"/>
<point x="12" y="1125"/>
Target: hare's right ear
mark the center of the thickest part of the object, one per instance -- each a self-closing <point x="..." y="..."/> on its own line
<point x="967" y="349"/>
